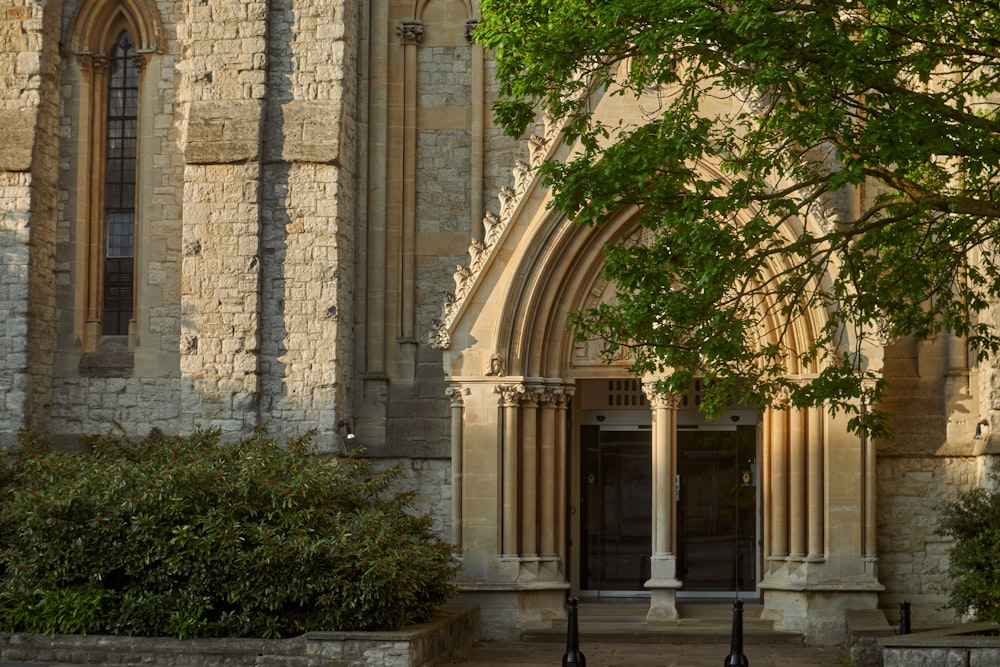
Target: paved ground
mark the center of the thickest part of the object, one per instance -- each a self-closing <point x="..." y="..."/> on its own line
<point x="652" y="655"/>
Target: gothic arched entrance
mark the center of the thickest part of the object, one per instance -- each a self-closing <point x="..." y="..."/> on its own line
<point x="715" y="504"/>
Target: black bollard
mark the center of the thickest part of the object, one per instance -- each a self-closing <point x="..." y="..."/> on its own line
<point x="904" y="618"/>
<point x="736" y="657"/>
<point x="573" y="655"/>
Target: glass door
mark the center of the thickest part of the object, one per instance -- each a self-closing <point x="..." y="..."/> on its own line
<point x="616" y="506"/>
<point x="717" y="509"/>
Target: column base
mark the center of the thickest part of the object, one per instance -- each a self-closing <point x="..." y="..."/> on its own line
<point x="662" y="585"/>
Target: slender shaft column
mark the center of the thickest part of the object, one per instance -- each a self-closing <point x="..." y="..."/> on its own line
<point x="454" y="395"/>
<point x="868" y="465"/>
<point x="410" y="33"/>
<point x="765" y="480"/>
<point x="529" y="471"/>
<point x="817" y="440"/>
<point x="779" y="484"/>
<point x="796" y="483"/>
<point x="562" y="403"/>
<point x="510" y="401"/>
<point x="477" y="149"/>
<point x="547" y="466"/>
<point x="663" y="583"/>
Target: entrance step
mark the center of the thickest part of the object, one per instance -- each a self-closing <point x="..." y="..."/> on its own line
<point x="701" y="621"/>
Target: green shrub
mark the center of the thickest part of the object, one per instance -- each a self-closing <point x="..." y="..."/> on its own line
<point x="192" y="537"/>
<point x="973" y="520"/>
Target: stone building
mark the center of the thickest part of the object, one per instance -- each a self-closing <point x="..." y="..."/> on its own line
<point x="221" y="213"/>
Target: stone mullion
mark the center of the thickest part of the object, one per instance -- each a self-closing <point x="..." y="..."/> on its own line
<point x="97" y="75"/>
<point x="510" y="402"/>
<point x="816" y="452"/>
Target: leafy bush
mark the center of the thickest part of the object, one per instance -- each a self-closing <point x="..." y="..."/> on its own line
<point x="192" y="537"/>
<point x="973" y="520"/>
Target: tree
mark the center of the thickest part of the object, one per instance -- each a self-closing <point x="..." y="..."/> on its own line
<point x="853" y="173"/>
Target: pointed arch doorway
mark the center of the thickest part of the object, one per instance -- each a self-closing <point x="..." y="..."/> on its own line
<point x="714" y="505"/>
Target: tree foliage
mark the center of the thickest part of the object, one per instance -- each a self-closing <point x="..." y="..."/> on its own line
<point x="192" y="537"/>
<point x="973" y="521"/>
<point x="830" y="165"/>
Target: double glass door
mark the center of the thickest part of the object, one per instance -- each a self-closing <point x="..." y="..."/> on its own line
<point x="716" y="509"/>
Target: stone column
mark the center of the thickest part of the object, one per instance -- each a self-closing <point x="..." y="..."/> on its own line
<point x="510" y="400"/>
<point x="663" y="583"/>
<point x="547" y="472"/>
<point x="411" y="33"/>
<point x="816" y="465"/>
<point x="562" y="404"/>
<point x="457" y="404"/>
<point x="478" y="146"/>
<point x="778" y="486"/>
<point x="796" y="484"/>
<point x="529" y="471"/>
<point x="868" y="502"/>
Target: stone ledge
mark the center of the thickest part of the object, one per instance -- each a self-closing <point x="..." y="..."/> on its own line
<point x="450" y="634"/>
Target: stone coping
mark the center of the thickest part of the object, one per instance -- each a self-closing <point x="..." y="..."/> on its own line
<point x="452" y="632"/>
<point x="952" y="636"/>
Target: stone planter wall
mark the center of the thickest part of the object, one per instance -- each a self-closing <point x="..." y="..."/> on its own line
<point x="957" y="646"/>
<point x="872" y="642"/>
<point x="453" y="633"/>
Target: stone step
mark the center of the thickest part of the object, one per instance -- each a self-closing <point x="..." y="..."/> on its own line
<point x="700" y="622"/>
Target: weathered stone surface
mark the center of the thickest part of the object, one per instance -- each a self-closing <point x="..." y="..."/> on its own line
<point x="448" y="635"/>
<point x="17" y="133"/>
<point x="223" y="132"/>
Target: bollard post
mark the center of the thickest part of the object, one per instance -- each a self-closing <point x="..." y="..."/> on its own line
<point x="904" y="618"/>
<point x="573" y="655"/>
<point x="736" y="657"/>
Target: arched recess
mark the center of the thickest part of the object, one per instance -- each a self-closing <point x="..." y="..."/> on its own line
<point x="98" y="22"/>
<point x="92" y="39"/>
<point x="559" y="273"/>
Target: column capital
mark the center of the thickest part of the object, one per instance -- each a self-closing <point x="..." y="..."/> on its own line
<point x="510" y="394"/>
<point x="658" y="398"/>
<point x="454" y="396"/>
<point x="410" y="32"/>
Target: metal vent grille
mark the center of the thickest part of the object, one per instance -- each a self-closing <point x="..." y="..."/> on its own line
<point x="625" y="394"/>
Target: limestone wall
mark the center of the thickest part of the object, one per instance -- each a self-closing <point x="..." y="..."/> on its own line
<point x="29" y="38"/>
<point x="913" y="559"/>
<point x="246" y="226"/>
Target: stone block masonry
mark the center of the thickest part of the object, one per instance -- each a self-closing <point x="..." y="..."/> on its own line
<point x="450" y="634"/>
<point x="29" y="120"/>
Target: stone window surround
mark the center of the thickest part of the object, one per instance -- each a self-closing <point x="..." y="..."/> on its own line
<point x="92" y="37"/>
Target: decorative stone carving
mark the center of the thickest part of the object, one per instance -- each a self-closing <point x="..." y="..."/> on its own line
<point x="470" y="30"/>
<point x="538" y="146"/>
<point x="522" y="177"/>
<point x="480" y="251"/>
<point x="508" y="201"/>
<point x="658" y="398"/>
<point x="454" y="395"/>
<point x="492" y="227"/>
<point x="498" y="368"/>
<point x="510" y="394"/>
<point x="410" y="32"/>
